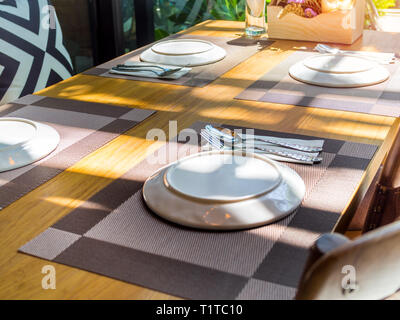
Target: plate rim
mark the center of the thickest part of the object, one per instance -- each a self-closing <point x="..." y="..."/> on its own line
<point x="373" y="64"/>
<point x="300" y="64"/>
<point x="22" y="143"/>
<point x="222" y="152"/>
<point x="34" y="156"/>
<point x="220" y="53"/>
<point x="212" y="46"/>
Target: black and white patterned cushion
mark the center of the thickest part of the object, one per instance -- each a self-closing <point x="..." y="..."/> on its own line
<point x="32" y="56"/>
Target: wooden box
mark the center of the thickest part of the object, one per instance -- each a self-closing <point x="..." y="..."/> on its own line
<point x="342" y="26"/>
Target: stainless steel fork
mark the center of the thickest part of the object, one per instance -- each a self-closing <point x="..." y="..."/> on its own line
<point x="217" y="143"/>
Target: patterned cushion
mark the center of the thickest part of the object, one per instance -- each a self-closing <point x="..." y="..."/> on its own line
<point x="32" y="54"/>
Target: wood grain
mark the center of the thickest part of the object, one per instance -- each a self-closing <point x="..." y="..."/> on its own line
<point x="20" y="275"/>
<point x="338" y="26"/>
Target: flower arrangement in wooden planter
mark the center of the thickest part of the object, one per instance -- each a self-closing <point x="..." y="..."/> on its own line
<point x="339" y="21"/>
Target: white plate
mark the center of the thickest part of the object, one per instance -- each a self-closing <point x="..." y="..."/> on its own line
<point x="335" y="63"/>
<point x="280" y="193"/>
<point x="222" y="177"/>
<point x="184" y="60"/>
<point x="24" y="141"/>
<point x="372" y="76"/>
<point x="182" y="47"/>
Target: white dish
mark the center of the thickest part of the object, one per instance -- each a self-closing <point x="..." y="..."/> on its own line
<point x="301" y="72"/>
<point x="183" y="57"/>
<point x="182" y="47"/>
<point x="335" y="63"/>
<point x="248" y="204"/>
<point x="219" y="178"/>
<point x="24" y="141"/>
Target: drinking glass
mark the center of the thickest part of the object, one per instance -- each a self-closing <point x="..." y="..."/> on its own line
<point x="255" y="17"/>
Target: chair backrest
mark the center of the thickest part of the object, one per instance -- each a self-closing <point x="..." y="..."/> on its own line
<point x="366" y="268"/>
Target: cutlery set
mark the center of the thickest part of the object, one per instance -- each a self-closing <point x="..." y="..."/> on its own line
<point x="162" y="70"/>
<point x="226" y="139"/>
<point x="150" y="70"/>
<point x="234" y="137"/>
<point x="171" y="59"/>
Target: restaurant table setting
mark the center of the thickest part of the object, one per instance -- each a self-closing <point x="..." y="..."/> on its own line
<point x="40" y="137"/>
<point x="356" y="81"/>
<point x="191" y="60"/>
<point x="209" y="228"/>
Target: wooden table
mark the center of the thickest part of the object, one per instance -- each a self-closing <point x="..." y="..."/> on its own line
<point x="20" y="275"/>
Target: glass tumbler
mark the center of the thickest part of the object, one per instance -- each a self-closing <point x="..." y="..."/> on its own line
<point x="255" y="18"/>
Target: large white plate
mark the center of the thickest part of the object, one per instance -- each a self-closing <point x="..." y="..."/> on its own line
<point x="184" y="58"/>
<point x="24" y="141"/>
<point x="245" y="206"/>
<point x="372" y="76"/>
<point x="182" y="47"/>
<point x="335" y="63"/>
<point x="222" y="177"/>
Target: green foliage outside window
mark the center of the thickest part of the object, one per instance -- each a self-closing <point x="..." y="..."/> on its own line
<point x="229" y="10"/>
<point x="384" y="4"/>
<point x="173" y="16"/>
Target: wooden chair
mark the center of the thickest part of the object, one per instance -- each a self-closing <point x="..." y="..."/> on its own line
<point x="373" y="259"/>
<point x="382" y="201"/>
<point x="380" y="204"/>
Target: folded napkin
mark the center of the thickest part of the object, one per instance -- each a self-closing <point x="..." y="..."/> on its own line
<point x="279" y="149"/>
<point x="309" y="143"/>
<point x="146" y="73"/>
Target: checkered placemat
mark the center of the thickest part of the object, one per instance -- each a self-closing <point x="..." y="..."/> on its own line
<point x="116" y="235"/>
<point x="237" y="51"/>
<point x="277" y="86"/>
<point x="83" y="127"/>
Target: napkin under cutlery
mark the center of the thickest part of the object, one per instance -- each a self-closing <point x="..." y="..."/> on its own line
<point x="150" y="70"/>
<point x="249" y="147"/>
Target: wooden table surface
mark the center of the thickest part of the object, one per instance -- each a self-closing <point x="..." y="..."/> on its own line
<point x="20" y="274"/>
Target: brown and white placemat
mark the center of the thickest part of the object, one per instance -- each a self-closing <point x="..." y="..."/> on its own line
<point x="83" y="127"/>
<point x="277" y="86"/>
<point x="116" y="235"/>
<point x="237" y="51"/>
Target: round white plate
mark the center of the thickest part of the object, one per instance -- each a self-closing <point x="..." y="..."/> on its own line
<point x="182" y="47"/>
<point x="334" y="63"/>
<point x="280" y="193"/>
<point x="372" y="76"/>
<point x="222" y="177"/>
<point x="24" y="141"/>
<point x="184" y="60"/>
